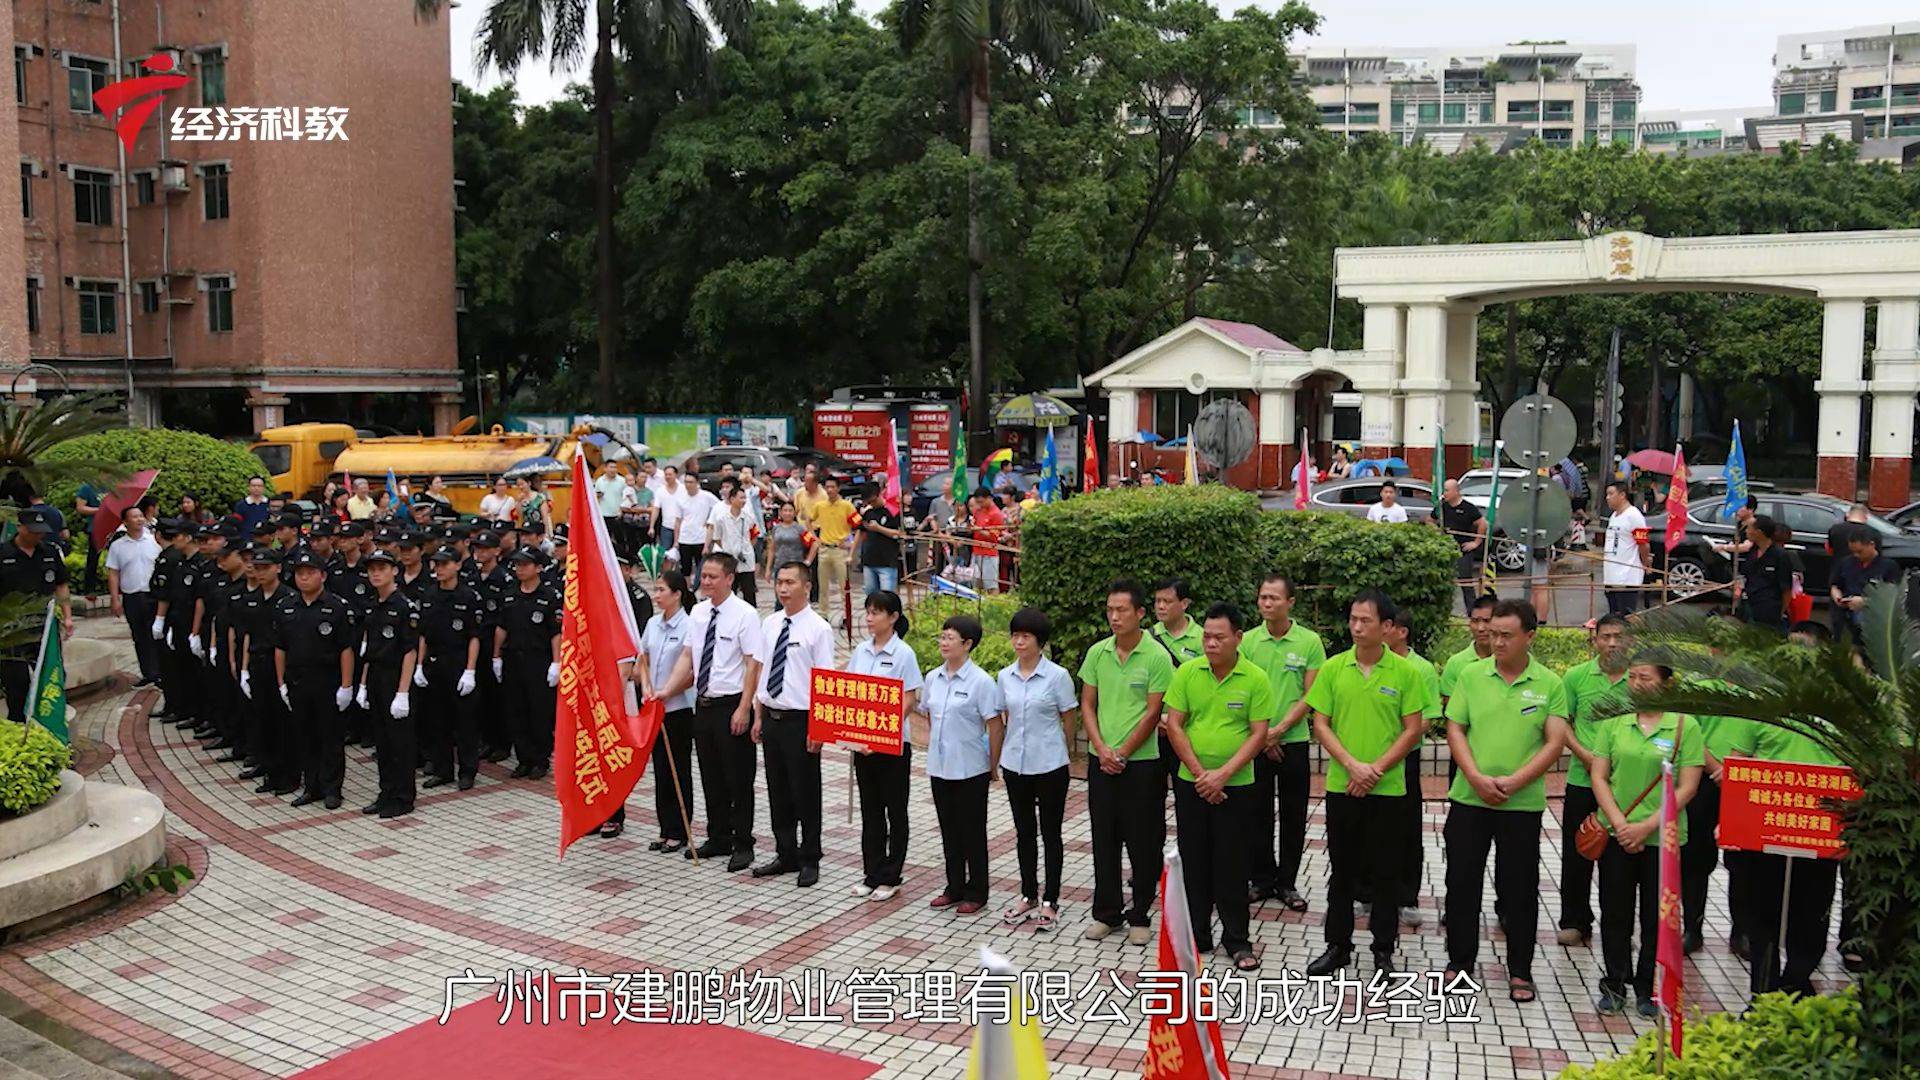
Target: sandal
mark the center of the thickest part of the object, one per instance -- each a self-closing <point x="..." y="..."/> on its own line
<point x="1522" y="990"/>
<point x="612" y="829"/>
<point x="1047" y="916"/>
<point x="1293" y="900"/>
<point x="1018" y="913"/>
<point x="1245" y="960"/>
<point x="658" y="845"/>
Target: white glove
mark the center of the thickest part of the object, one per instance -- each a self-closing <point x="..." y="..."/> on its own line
<point x="363" y="647"/>
<point x="169" y="639"/>
<point x="465" y="685"/>
<point x="159" y="628"/>
<point x="343" y="697"/>
<point x="213" y="654"/>
<point x="420" y="676"/>
<point x="195" y="647"/>
<point x="359" y="698"/>
<point x="499" y="667"/>
<point x="246" y="683"/>
<point x="401" y="708"/>
<point x="553" y="674"/>
<point x="286" y="698"/>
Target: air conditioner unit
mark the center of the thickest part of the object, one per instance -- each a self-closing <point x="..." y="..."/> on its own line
<point x="173" y="175"/>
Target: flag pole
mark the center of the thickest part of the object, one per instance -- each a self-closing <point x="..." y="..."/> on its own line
<point x="33" y="684"/>
<point x="680" y="794"/>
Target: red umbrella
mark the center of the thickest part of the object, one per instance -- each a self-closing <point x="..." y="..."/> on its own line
<point x="1653" y="461"/>
<point x="115" y="506"/>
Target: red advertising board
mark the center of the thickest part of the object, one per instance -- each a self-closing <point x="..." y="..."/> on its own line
<point x="929" y="441"/>
<point x="857" y="710"/>
<point x="1782" y="807"/>
<point x="856" y="433"/>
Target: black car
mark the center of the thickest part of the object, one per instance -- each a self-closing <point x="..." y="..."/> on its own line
<point x="774" y="462"/>
<point x="1694" y="565"/>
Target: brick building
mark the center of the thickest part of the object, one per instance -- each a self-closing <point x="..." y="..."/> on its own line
<point x="286" y="278"/>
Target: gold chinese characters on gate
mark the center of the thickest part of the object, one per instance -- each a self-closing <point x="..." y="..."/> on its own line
<point x="1620" y="257"/>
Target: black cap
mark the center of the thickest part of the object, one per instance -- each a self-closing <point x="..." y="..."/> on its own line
<point x="486" y="538"/>
<point x="304" y="556"/>
<point x="444" y="554"/>
<point x="377" y="555"/>
<point x="411" y="539"/>
<point x="537" y="528"/>
<point x="505" y="527"/>
<point x="35" y="520"/>
<point x="528" y="555"/>
<point x="324" y="527"/>
<point x="461" y="530"/>
<point x="285" y="521"/>
<point x="386" y="534"/>
<point x="206" y="532"/>
<point x="262" y="527"/>
<point x="266" y="556"/>
<point x="353" y="530"/>
<point x="229" y="528"/>
<point x="560" y="532"/>
<point x="421" y="502"/>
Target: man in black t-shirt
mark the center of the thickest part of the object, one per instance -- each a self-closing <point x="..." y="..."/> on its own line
<point x="879" y="545"/>
<point x="1862" y="565"/>
<point x="1766" y="578"/>
<point x="1464" y="522"/>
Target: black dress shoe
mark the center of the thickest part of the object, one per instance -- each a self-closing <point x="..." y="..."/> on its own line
<point x="1739" y="946"/>
<point x="284" y="789"/>
<point x="1383" y="963"/>
<point x="1691" y="942"/>
<point x="1257" y="893"/>
<point x="436" y="781"/>
<point x="332" y="802"/>
<point x="145" y="680"/>
<point x="396" y="811"/>
<point x="809" y="876"/>
<point x="740" y="861"/>
<point x="1335" y="958"/>
<point x="497" y="756"/>
<point x="221" y="743"/>
<point x="539" y="773"/>
<point x="466" y="783"/>
<point x="373" y="807"/>
<point x="265" y="787"/>
<point x="227" y="757"/>
<point x="709" y="850"/>
<point x="772" y="868"/>
<point x="522" y="771"/>
<point x="305" y="798"/>
<point x="251" y="773"/>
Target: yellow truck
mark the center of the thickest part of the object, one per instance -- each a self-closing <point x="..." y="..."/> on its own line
<point x="303" y="457"/>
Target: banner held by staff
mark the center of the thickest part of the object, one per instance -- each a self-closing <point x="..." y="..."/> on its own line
<point x="1677" y="500"/>
<point x="1670" y="956"/>
<point x="1090" y="464"/>
<point x="48" y="705"/>
<point x="1191" y="1050"/>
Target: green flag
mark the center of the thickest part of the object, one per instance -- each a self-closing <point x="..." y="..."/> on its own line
<point x="1489" y="571"/>
<point x="48" y="706"/>
<point x="960" y="463"/>
<point x="1439" y="477"/>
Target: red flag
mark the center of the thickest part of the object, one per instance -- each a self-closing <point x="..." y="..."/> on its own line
<point x="1303" y="475"/>
<point x="1669" y="956"/>
<point x="600" y="740"/>
<point x="1677" y="499"/>
<point x="1190" y="1050"/>
<point x="1090" y="463"/>
<point x="890" y="497"/>
<point x="115" y="506"/>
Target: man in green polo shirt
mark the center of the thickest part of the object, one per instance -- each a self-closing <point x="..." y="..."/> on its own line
<point x="1122" y="682"/>
<point x="1179" y="636"/>
<point x="1480" y="648"/>
<point x="1291" y="656"/>
<point x="1218" y="709"/>
<point x="1367" y="704"/>
<point x="1587" y="683"/>
<point x="1506" y="726"/>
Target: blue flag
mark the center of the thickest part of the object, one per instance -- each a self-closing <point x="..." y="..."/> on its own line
<point x="1049" y="472"/>
<point x="1736" y="471"/>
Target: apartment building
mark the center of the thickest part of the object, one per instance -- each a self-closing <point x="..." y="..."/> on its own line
<point x="1559" y="93"/>
<point x="278" y="275"/>
<point x="1863" y="79"/>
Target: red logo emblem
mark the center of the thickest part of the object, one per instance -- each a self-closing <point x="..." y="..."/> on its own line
<point x="135" y="99"/>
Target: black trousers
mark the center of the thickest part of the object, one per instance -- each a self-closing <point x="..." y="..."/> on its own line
<point x="746" y="587"/>
<point x="270" y="735"/>
<point x="321" y="728"/>
<point x="961" y="807"/>
<point x="884" y="782"/>
<point x="1576" y="870"/>
<point x="1039" y="805"/>
<point x="354" y="720"/>
<point x="396" y="742"/>
<point x="1789" y="965"/>
<point x="178" y="673"/>
<point x="1213" y="853"/>
<point x="529" y="706"/>
<point x="449" y="724"/>
<point x="673" y="779"/>
<point x="1364" y="845"/>
<point x="1287" y="783"/>
<point x="220" y="691"/>
<point x="14" y="676"/>
<point x="495" y="721"/>
<point x="726" y="772"/>
<point x="1623" y="601"/>
<point x="1413" y="853"/>
<point x="1700" y="854"/>
<point x="1127" y="812"/>
<point x="690" y="557"/>
<point x="1629" y="892"/>
<point x="138" y="610"/>
<point x="793" y="786"/>
<point x="1514" y="836"/>
<point x="1467" y="570"/>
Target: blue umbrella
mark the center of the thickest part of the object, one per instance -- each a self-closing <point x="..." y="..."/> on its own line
<point x="1146" y="436"/>
<point x="1390" y="466"/>
<point x="534" y="466"/>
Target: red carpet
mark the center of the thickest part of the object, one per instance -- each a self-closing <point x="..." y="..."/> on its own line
<point x="474" y="1046"/>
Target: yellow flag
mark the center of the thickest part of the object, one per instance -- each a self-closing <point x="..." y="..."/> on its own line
<point x="1009" y="1048"/>
<point x="1193" y="459"/>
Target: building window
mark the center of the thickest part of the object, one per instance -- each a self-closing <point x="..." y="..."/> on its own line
<point x="26" y="189"/>
<point x="1456" y="112"/>
<point x="1593" y="112"/>
<point x="1622" y="135"/>
<point x="149" y="297"/>
<point x="1522" y="111"/>
<point x="1793" y="104"/>
<point x="1623" y="112"/>
<point x="84" y="79"/>
<point x="213" y="192"/>
<point x="145" y="187"/>
<point x="92" y="197"/>
<point x="1560" y="112"/>
<point x="1486" y="112"/>
<point x="213" y="78"/>
<point x="1399" y="113"/>
<point x="1557" y="136"/>
<point x="219" y="304"/>
<point x="33" y="305"/>
<point x="1827" y="100"/>
<point x="20" y="74"/>
<point x="98" y="312"/>
<point x="1174" y="411"/>
<point x="1429" y="112"/>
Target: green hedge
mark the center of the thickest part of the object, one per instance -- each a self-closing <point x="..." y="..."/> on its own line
<point x="1558" y="647"/>
<point x="1071" y="550"/>
<point x="1813" y="1038"/>
<point x="189" y="463"/>
<point x="993" y="611"/>
<point x="1333" y="556"/>
<point x="30" y="764"/>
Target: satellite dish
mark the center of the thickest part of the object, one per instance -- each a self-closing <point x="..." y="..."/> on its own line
<point x="1197" y="382"/>
<point x="1223" y="433"/>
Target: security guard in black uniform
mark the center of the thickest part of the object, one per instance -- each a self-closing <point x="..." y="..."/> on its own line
<point x="320" y="538"/>
<point x="178" y="605"/>
<point x="30" y="564"/>
<point x="174" y="564"/>
<point x="490" y="581"/>
<point x="389" y="648"/>
<point x="166" y="531"/>
<point x="347" y="556"/>
<point x="527" y="640"/>
<point x="225" y="652"/>
<point x="414" y="577"/>
<point x="347" y="579"/>
<point x="210" y="620"/>
<point x="313" y="656"/>
<point x="451" y="622"/>
<point x="555" y="575"/>
<point x="270" y="734"/>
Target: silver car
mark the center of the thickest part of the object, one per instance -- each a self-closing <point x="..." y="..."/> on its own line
<point x="1357" y="495"/>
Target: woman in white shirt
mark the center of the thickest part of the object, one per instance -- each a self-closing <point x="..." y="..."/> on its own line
<point x="962" y="707"/>
<point x="661" y="644"/>
<point x="497" y="506"/>
<point x="884" y="780"/>
<point x="1039" y="700"/>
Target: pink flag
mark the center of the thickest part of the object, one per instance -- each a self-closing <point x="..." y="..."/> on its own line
<point x="1303" y="475"/>
<point x="1677" y="500"/>
<point x="891" y="496"/>
<point x="1669" y="955"/>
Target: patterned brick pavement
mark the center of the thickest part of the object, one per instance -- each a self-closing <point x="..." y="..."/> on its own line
<point x="307" y="933"/>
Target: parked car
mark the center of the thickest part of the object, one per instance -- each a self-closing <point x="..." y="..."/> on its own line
<point x="775" y="462"/>
<point x="1705" y="481"/>
<point x="1354" y="496"/>
<point x="1907" y="518"/>
<point x="1476" y="486"/>
<point x="1694" y="566"/>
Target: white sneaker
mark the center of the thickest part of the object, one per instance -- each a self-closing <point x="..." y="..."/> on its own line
<point x="861" y="888"/>
<point x="884" y="893"/>
<point x="1139" y="935"/>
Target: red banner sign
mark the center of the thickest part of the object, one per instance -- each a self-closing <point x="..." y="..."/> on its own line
<point x="856" y="433"/>
<point x="857" y="710"/>
<point x="1782" y="807"/>
<point x="929" y="441"/>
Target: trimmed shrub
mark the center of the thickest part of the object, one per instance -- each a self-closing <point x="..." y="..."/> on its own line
<point x="1558" y="647"/>
<point x="1814" y="1038"/>
<point x="30" y="764"/>
<point x="189" y="463"/>
<point x="1332" y="557"/>
<point x="1071" y="550"/>
<point x="993" y="653"/>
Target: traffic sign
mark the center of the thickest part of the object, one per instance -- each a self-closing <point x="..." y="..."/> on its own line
<point x="1538" y="430"/>
<point x="1535" y="511"/>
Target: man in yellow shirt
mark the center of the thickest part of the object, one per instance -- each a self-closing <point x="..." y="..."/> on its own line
<point x="360" y="505"/>
<point x="832" y="519"/>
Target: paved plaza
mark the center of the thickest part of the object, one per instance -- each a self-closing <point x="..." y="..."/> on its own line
<point x="306" y="933"/>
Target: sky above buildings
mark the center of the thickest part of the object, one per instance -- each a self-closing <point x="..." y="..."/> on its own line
<point x="1693" y="54"/>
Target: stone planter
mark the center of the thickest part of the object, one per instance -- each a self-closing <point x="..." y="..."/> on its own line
<point x="81" y="843"/>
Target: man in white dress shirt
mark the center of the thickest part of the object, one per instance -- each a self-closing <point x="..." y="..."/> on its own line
<point x="794" y="641"/>
<point x="723" y="637"/>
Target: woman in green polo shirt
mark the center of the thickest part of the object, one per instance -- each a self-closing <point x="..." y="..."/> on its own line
<point x="1628" y="752"/>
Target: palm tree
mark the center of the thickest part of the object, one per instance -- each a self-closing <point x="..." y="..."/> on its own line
<point x="27" y="432"/>
<point x="962" y="36"/>
<point x="666" y="37"/>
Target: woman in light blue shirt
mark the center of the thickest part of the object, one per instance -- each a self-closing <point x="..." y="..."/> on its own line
<point x="660" y="646"/>
<point x="962" y="707"/>
<point x="1038" y="697"/>
<point x="884" y="780"/>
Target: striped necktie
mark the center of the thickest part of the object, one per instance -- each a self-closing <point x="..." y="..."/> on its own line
<point x="706" y="654"/>
<point x="777" y="670"/>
